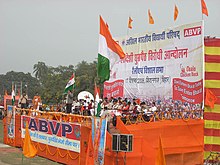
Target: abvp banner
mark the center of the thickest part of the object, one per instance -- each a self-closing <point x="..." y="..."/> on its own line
<point x="155" y="59"/>
<point x="51" y="132"/>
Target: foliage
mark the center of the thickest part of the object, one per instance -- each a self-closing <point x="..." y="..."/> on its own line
<point x="50" y="81"/>
<point x="22" y="82"/>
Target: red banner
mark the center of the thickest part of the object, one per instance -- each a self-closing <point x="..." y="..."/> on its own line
<point x="114" y="89"/>
<point x="191" y="92"/>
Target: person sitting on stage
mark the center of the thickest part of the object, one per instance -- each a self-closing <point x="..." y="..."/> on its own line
<point x="91" y="107"/>
<point x="153" y="108"/>
<point x="115" y="104"/>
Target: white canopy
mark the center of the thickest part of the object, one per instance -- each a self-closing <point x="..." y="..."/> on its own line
<point x="85" y="95"/>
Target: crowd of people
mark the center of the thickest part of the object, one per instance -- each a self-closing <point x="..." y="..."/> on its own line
<point x="113" y="106"/>
<point x="124" y="106"/>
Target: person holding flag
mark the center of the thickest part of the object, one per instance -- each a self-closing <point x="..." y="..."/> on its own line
<point x="68" y="90"/>
<point x="69" y="101"/>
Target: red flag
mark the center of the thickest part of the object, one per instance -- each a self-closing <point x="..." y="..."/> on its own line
<point x="160" y="159"/>
<point x="210" y="98"/>
<point x="151" y="20"/>
<point x="129" y="23"/>
<point x="204" y="8"/>
<point x="176" y="12"/>
<point x="29" y="149"/>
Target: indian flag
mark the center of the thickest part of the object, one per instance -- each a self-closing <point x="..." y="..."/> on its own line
<point x="109" y="52"/>
<point x="69" y="85"/>
<point x="97" y="101"/>
<point x="13" y="95"/>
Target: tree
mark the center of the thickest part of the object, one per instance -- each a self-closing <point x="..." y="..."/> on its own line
<point x="40" y="70"/>
<point x="24" y="82"/>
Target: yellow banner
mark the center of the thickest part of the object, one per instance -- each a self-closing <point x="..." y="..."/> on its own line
<point x="212" y="124"/>
<point x="212" y="50"/>
<point x="212" y="67"/>
<point x="212" y="83"/>
<point x="212" y="140"/>
<point x="207" y="154"/>
<point x="216" y="109"/>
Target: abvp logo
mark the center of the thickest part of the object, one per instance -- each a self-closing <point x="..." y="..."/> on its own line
<point x="195" y="31"/>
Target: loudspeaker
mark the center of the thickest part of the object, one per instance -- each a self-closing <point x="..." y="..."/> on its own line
<point x="115" y="142"/>
<point x="122" y="142"/>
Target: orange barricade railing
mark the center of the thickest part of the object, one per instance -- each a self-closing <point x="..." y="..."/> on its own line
<point x="160" y="116"/>
<point x="59" y="116"/>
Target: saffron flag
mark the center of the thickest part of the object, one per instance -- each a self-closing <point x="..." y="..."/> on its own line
<point x="160" y="159"/>
<point x="151" y="20"/>
<point x="109" y="50"/>
<point x="176" y="12"/>
<point x="210" y="98"/>
<point x="204" y="8"/>
<point x="29" y="149"/>
<point x="107" y="25"/>
<point x="13" y="95"/>
<point x="129" y="23"/>
<point x="90" y="151"/>
<point x="69" y="85"/>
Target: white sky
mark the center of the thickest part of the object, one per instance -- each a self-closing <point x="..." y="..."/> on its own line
<point x="64" y="32"/>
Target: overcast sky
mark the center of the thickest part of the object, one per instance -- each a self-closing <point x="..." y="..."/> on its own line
<point x="64" y="32"/>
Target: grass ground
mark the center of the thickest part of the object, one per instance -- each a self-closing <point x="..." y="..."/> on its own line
<point x="14" y="156"/>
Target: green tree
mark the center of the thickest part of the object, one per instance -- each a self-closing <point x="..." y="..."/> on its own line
<point x="40" y="70"/>
<point x="24" y="82"/>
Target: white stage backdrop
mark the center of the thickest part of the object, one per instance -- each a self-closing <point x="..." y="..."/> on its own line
<point x="168" y="63"/>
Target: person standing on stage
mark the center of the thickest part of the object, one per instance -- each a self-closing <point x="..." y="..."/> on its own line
<point x="69" y="101"/>
<point x="36" y="101"/>
<point x="24" y="101"/>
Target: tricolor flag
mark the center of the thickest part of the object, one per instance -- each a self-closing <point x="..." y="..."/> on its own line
<point x="97" y="93"/>
<point x="109" y="52"/>
<point x="97" y="103"/>
<point x="69" y="85"/>
<point x="13" y="95"/>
